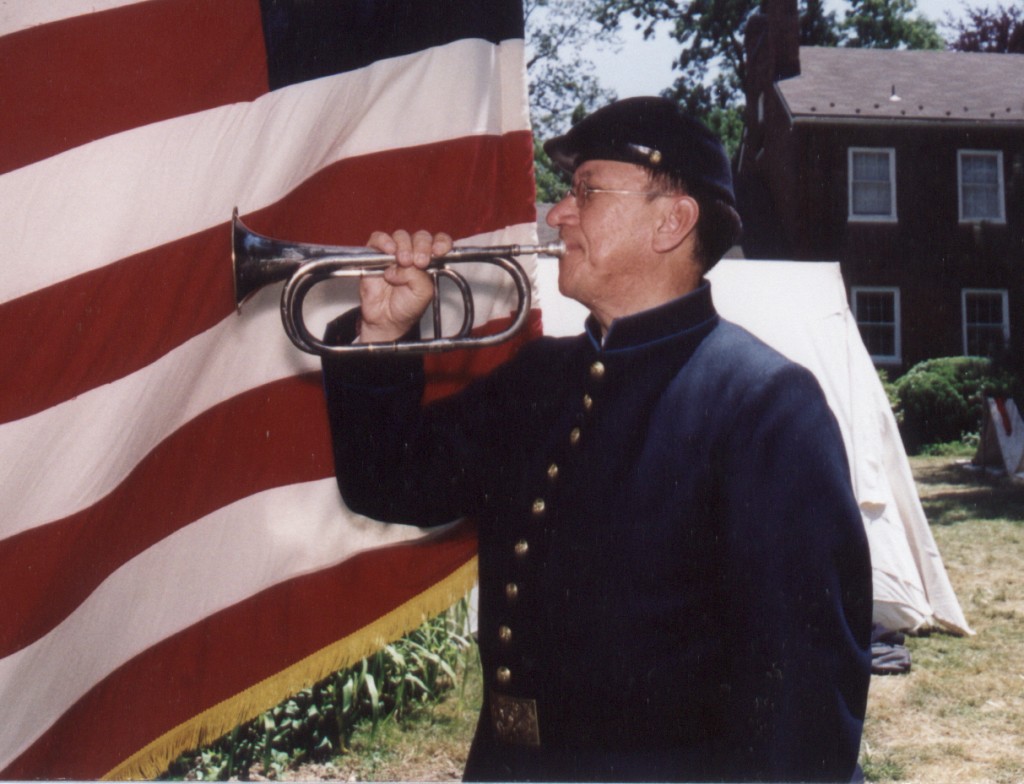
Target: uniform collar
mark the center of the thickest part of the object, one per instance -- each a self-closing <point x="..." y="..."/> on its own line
<point x="650" y="326"/>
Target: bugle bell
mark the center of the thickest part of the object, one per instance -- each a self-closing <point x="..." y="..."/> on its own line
<point x="259" y="261"/>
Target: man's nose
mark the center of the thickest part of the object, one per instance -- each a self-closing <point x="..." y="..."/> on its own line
<point x="562" y="211"/>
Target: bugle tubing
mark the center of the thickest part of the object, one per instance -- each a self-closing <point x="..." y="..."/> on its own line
<point x="259" y="261"/>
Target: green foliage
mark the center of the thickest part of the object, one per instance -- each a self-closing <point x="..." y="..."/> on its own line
<point x="891" y="394"/>
<point x="940" y="400"/>
<point x="712" y="58"/>
<point x="817" y="26"/>
<point x="727" y="123"/>
<point x="888" y="24"/>
<point x="964" y="447"/>
<point x="551" y="183"/>
<point x="712" y="61"/>
<point x="318" y="723"/>
<point x="932" y="410"/>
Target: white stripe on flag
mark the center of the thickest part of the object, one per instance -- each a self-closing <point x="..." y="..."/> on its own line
<point x="18" y="15"/>
<point x="149" y="186"/>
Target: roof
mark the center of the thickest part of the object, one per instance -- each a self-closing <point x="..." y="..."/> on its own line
<point x="895" y="84"/>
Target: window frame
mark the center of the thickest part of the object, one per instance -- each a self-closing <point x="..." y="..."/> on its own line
<point x="892" y="216"/>
<point x="1000" y="185"/>
<point x="855" y="291"/>
<point x="1005" y="297"/>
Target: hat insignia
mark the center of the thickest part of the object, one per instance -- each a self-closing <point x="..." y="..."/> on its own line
<point x="652" y="155"/>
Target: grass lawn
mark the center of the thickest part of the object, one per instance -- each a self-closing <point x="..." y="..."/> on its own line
<point x="958" y="716"/>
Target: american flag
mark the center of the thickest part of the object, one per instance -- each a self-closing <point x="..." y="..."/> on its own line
<point x="174" y="554"/>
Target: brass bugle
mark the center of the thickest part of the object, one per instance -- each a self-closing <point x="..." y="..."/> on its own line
<point x="259" y="261"/>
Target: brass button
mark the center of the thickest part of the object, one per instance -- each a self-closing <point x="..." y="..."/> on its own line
<point x="538" y="507"/>
<point x="553" y="471"/>
<point x="574" y="436"/>
<point x="504" y="634"/>
<point x="522" y="548"/>
<point x="588" y="402"/>
<point x="504" y="675"/>
<point x="597" y="370"/>
<point x="511" y="591"/>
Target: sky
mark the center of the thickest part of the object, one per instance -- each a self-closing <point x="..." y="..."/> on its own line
<point x="645" y="67"/>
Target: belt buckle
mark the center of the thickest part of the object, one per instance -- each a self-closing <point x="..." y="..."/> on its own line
<point x="515" y="720"/>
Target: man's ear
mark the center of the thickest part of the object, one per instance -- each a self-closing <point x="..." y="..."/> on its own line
<point x="678" y="222"/>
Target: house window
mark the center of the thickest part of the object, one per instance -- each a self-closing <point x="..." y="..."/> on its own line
<point x="986" y="320"/>
<point x="877" y="311"/>
<point x="872" y="184"/>
<point x="980" y="174"/>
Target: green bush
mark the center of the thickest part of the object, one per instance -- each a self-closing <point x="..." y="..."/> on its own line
<point x="891" y="394"/>
<point x="941" y="400"/>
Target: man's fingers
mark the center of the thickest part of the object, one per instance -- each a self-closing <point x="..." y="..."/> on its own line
<point x="413" y="277"/>
<point x="382" y="241"/>
<point x="411" y="249"/>
<point x="441" y="244"/>
<point x="422" y="246"/>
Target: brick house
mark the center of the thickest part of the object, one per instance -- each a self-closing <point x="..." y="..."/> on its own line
<point x="905" y="166"/>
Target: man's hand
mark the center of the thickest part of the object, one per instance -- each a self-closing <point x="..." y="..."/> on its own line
<point x="393" y="303"/>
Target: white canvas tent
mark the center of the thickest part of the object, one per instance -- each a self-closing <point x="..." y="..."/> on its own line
<point x="1002" y="439"/>
<point x="800" y="308"/>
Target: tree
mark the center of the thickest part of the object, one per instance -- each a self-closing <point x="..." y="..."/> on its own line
<point x="983" y="30"/>
<point x="562" y="84"/>
<point x="888" y="24"/>
<point x="712" y="59"/>
<point x="818" y="27"/>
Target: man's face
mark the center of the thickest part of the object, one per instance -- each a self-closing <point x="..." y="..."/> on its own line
<point x="606" y="237"/>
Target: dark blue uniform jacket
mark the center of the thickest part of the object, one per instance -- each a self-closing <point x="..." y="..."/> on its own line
<point x="673" y="568"/>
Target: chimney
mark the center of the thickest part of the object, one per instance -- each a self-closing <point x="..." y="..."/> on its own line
<point x="772" y="44"/>
<point x="784" y="31"/>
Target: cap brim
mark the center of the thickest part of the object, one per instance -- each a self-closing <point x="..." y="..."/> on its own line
<point x="559" y="151"/>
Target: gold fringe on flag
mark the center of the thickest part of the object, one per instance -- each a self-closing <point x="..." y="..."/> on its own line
<point x="211" y="724"/>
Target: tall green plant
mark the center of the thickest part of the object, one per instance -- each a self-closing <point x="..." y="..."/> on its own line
<point x="318" y="723"/>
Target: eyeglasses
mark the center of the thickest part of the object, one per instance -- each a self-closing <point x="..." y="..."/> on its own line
<point x="581" y="192"/>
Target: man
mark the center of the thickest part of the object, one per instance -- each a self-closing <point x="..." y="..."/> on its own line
<point x="674" y="576"/>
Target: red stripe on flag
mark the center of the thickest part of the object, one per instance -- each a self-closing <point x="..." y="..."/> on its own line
<point x="226" y="654"/>
<point x="103" y="325"/>
<point x="67" y="83"/>
<point x="278" y="436"/>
